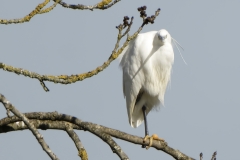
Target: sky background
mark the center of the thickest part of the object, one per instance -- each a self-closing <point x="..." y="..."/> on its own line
<point x="201" y="112"/>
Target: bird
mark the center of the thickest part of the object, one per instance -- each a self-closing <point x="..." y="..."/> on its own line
<point x="146" y="66"/>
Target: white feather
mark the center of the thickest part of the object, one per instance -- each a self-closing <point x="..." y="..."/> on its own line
<point x="146" y="65"/>
<point x="176" y="44"/>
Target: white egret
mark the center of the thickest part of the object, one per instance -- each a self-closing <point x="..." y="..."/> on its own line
<point x="146" y="64"/>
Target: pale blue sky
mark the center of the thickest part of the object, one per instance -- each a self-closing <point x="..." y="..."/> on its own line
<point x="201" y="112"/>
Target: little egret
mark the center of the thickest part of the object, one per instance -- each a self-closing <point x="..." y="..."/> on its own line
<point x="146" y="64"/>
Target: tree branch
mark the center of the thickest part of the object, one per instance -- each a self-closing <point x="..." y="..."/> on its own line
<point x="214" y="156"/>
<point x="112" y="144"/>
<point x="27" y="17"/>
<point x="104" y="4"/>
<point x="65" y="79"/>
<point x="81" y="150"/>
<point x="49" y="8"/>
<point x="39" y="124"/>
<point x="39" y="137"/>
<point x="201" y="156"/>
<point x="95" y="129"/>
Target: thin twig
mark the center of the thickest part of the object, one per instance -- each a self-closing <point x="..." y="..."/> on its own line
<point x="49" y="8"/>
<point x="201" y="156"/>
<point x="31" y="127"/>
<point x="214" y="156"/>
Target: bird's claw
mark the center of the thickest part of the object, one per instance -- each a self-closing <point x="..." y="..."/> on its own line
<point x="151" y="138"/>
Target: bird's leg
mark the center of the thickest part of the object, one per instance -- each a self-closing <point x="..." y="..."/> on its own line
<point x="151" y="138"/>
<point x="145" y="120"/>
<point x="145" y="123"/>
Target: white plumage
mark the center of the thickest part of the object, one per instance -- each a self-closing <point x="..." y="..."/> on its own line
<point x="146" y="64"/>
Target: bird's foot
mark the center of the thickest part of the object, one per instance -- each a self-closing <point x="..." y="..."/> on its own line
<point x="151" y="138"/>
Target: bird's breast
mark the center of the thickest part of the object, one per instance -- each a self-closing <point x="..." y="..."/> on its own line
<point x="164" y="56"/>
<point x="157" y="71"/>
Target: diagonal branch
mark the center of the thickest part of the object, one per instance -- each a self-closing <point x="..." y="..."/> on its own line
<point x="65" y="79"/>
<point x="49" y="8"/>
<point x="81" y="150"/>
<point x="112" y="144"/>
<point x="39" y="137"/>
<point x="27" y="17"/>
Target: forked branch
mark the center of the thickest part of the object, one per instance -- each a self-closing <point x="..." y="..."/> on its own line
<point x="54" y="120"/>
<point x="31" y="127"/>
<point x="102" y="132"/>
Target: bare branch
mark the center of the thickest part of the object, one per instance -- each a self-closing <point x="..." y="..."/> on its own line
<point x="91" y="127"/>
<point x="26" y="18"/>
<point x="40" y="124"/>
<point x="201" y="156"/>
<point x="214" y="156"/>
<point x="65" y="79"/>
<point x="35" y="132"/>
<point x="44" y="86"/>
<point x="112" y="144"/>
<point x="104" y="4"/>
<point x="81" y="150"/>
<point x="49" y="124"/>
<point x="49" y="8"/>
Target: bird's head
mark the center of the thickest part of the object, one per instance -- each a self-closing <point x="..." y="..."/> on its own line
<point x="164" y="36"/>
